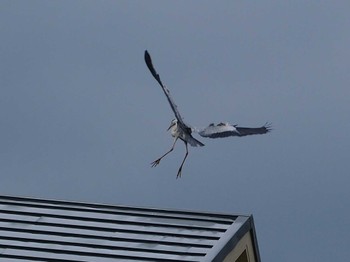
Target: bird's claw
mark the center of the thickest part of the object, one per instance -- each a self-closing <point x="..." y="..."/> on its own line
<point x="155" y="163"/>
<point x="178" y="174"/>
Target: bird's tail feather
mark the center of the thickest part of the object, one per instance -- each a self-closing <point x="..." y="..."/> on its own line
<point x="194" y="142"/>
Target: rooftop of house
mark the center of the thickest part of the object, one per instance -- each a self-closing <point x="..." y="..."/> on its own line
<point x="50" y="230"/>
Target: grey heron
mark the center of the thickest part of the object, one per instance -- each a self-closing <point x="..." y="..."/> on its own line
<point x="179" y="129"/>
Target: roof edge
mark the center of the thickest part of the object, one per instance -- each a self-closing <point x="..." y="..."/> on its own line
<point x="227" y="243"/>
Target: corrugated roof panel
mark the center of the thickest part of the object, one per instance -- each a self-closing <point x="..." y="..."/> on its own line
<point x="4" y="259"/>
<point x="71" y="241"/>
<point x="49" y="230"/>
<point x="49" y="249"/>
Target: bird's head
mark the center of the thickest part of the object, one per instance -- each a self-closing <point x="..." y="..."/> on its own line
<point x="173" y="123"/>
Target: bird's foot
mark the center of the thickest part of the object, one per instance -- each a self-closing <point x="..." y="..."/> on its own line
<point x="156" y="163"/>
<point x="178" y="174"/>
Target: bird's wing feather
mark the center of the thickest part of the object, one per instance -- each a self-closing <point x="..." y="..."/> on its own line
<point x="226" y="130"/>
<point x="166" y="91"/>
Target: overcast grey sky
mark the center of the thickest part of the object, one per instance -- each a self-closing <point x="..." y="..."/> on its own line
<point x="82" y="118"/>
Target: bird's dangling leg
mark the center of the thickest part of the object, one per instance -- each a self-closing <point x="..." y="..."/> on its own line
<point x="183" y="161"/>
<point x="156" y="162"/>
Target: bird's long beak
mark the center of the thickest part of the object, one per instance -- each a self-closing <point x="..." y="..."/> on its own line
<point x="172" y="124"/>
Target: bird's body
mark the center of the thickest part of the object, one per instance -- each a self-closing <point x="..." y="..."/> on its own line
<point x="179" y="129"/>
<point x="185" y="135"/>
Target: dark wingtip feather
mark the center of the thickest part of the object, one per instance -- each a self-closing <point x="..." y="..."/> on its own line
<point x="148" y="61"/>
<point x="147" y="57"/>
<point x="268" y="127"/>
<point x="150" y="66"/>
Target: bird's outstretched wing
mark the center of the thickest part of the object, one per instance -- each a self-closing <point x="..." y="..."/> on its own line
<point x="225" y="130"/>
<point x="173" y="106"/>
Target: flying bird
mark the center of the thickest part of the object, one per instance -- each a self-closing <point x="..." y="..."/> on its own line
<point x="180" y="130"/>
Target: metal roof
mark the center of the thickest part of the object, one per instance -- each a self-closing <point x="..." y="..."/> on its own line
<point x="50" y="230"/>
